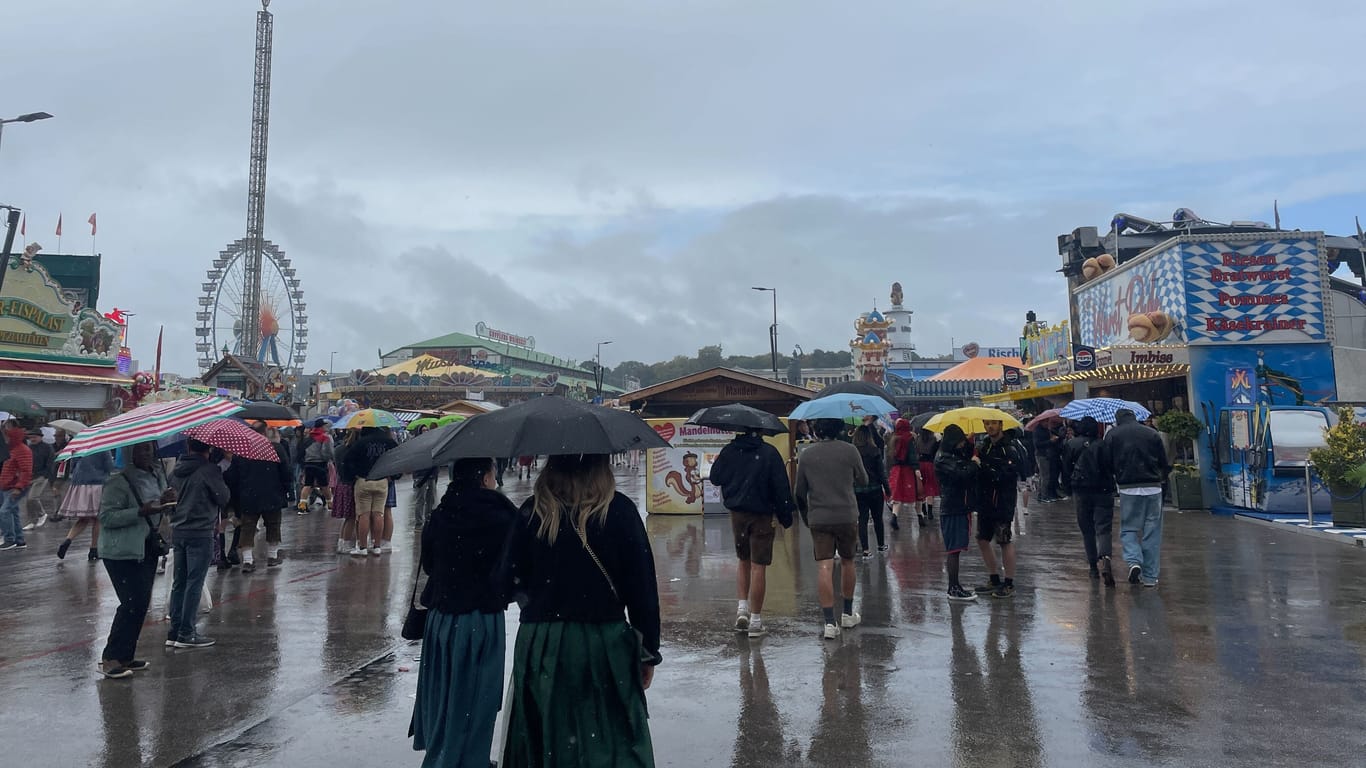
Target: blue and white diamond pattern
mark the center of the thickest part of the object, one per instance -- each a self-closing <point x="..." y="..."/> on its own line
<point x="1304" y="289"/>
<point x="1104" y="305"/>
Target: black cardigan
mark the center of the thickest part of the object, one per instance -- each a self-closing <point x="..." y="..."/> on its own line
<point x="460" y="549"/>
<point x="560" y="582"/>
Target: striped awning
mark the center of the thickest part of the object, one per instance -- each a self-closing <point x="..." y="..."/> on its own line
<point x="407" y="417"/>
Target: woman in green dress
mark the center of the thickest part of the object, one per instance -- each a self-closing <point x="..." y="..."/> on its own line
<point x="579" y="563"/>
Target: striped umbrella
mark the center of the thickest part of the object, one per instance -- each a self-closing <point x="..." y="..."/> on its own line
<point x="236" y="438"/>
<point x="149" y="422"/>
<point x="1101" y="409"/>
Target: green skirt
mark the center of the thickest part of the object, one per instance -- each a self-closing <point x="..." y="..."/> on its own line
<point x="577" y="700"/>
<point x="459" y="688"/>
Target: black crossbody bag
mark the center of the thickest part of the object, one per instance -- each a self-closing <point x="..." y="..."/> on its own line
<point x="158" y="541"/>
<point x="645" y="656"/>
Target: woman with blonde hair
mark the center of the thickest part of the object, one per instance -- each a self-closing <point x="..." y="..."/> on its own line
<point x="578" y="557"/>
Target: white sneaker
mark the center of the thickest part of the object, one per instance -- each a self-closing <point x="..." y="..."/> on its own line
<point x="358" y="552"/>
<point x="375" y="551"/>
<point x="42" y="521"/>
<point x="757" y="629"/>
<point x="850" y="620"/>
<point x="741" y="622"/>
<point x="831" y="632"/>
<point x="28" y="527"/>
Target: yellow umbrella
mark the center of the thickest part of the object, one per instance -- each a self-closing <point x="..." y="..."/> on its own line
<point x="970" y="419"/>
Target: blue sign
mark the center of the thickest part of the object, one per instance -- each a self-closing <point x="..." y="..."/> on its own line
<point x="1084" y="358"/>
<point x="1240" y="389"/>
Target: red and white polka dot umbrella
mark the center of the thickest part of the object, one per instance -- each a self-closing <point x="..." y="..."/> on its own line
<point x="235" y="438"/>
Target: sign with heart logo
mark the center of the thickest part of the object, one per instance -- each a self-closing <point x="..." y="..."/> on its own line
<point x="665" y="431"/>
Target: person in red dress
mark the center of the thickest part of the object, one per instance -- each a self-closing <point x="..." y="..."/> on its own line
<point x="904" y="465"/>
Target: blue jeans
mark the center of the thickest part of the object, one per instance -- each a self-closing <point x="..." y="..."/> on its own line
<point x="11" y="527"/>
<point x="192" y="558"/>
<point x="1140" y="532"/>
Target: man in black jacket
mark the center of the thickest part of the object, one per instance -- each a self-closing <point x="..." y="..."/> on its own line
<point x="1086" y="462"/>
<point x="754" y="487"/>
<point x="259" y="492"/>
<point x="1001" y="460"/>
<point x="1139" y="465"/>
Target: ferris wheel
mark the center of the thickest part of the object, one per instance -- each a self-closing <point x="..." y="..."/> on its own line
<point x="282" y="312"/>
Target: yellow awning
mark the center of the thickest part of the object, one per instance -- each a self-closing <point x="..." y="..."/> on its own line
<point x="1128" y="373"/>
<point x="426" y="365"/>
<point x="1041" y="390"/>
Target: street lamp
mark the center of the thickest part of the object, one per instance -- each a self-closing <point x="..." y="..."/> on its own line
<point x="597" y="366"/>
<point x="772" y="329"/>
<point x="28" y="118"/>
<point x="330" y="360"/>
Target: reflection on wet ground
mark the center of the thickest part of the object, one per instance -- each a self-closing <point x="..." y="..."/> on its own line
<point x="1249" y="654"/>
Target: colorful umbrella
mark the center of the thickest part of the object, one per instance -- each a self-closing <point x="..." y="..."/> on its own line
<point x="842" y="407"/>
<point x="1101" y="409"/>
<point x="370" y="417"/>
<point x="148" y="422"/>
<point x="236" y="438"/>
<point x="971" y="419"/>
<point x="453" y="418"/>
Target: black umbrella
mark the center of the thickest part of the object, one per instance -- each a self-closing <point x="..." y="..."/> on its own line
<point x="918" y="421"/>
<point x="738" y="417"/>
<point x="417" y="453"/>
<point x="22" y="407"/>
<point x="857" y="388"/>
<point x="264" y="410"/>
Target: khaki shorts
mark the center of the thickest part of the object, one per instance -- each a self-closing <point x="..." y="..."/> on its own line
<point x="753" y="536"/>
<point x="827" y="540"/>
<point x="370" y="496"/>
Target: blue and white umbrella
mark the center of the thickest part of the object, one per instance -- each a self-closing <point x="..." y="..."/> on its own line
<point x="1101" y="409"/>
<point x="842" y="407"/>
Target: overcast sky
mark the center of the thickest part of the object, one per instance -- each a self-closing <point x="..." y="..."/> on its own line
<point x="622" y="170"/>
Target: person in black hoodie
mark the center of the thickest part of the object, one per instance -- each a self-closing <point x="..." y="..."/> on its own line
<point x="956" y="469"/>
<point x="754" y="487"/>
<point x="871" y="496"/>
<point x="260" y="491"/>
<point x="1086" y="462"/>
<point x="1002" y="462"/>
<point x="460" y="682"/>
<point x="1139" y="465"/>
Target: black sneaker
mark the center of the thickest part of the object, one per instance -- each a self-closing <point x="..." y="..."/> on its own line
<point x="249" y="567"/>
<point x="62" y="548"/>
<point x="194" y="641"/>
<point x="1134" y="572"/>
<point x="867" y="554"/>
<point x="988" y="588"/>
<point x="882" y="547"/>
<point x="959" y="595"/>
<point x="1004" y="591"/>
<point x="171" y="641"/>
<point x="21" y="545"/>
<point x="274" y="562"/>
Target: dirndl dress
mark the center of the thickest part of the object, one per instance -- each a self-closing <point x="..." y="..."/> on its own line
<point x="903" y="484"/>
<point x="82" y="501"/>
<point x="343" y="501"/>
<point x="459" y="688"/>
<point x="577" y="698"/>
<point x="929" y="483"/>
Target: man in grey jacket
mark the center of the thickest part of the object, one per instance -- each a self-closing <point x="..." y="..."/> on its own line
<point x="826" y="475"/>
<point x="201" y="495"/>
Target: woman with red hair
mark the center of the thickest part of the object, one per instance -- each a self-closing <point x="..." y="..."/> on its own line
<point x="904" y="464"/>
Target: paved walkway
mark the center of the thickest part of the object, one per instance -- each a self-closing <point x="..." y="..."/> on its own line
<point x="1250" y="653"/>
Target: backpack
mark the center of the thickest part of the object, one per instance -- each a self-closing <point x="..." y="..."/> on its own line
<point x="1086" y="470"/>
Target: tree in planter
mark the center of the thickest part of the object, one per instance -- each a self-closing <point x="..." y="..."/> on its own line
<point x="1183" y="428"/>
<point x="1340" y="461"/>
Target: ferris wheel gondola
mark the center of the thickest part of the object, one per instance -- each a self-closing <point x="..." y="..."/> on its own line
<point x="283" y="316"/>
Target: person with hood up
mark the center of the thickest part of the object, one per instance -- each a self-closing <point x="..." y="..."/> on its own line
<point x="956" y="468"/>
<point x="460" y="682"/>
<point x="872" y="494"/>
<point x="1139" y="466"/>
<point x="754" y="487"/>
<point x="1002" y="466"/>
<point x="318" y="454"/>
<point x="200" y="497"/>
<point x="826" y="477"/>
<point x="903" y="464"/>
<point x="1085" y="459"/>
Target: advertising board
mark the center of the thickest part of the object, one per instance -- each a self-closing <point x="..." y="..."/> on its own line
<point x="675" y="477"/>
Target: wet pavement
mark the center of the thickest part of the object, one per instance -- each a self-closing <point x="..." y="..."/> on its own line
<point x="1250" y="653"/>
